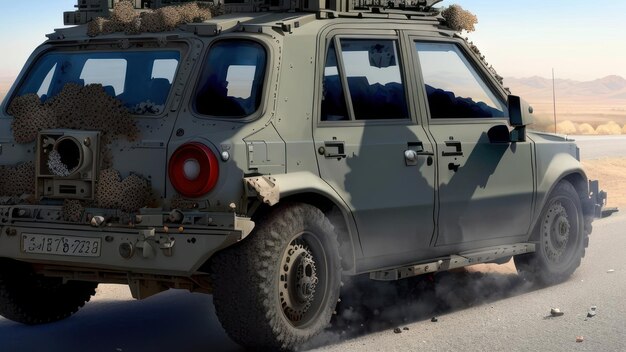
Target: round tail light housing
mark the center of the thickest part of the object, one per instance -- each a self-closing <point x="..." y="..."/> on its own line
<point x="193" y="170"/>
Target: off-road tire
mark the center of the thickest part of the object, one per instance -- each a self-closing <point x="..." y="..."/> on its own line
<point x="29" y="298"/>
<point x="246" y="279"/>
<point x="561" y="236"/>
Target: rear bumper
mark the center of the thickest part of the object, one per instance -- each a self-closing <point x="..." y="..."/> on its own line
<point x="167" y="249"/>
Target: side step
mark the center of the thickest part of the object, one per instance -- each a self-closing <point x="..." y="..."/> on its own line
<point x="460" y="260"/>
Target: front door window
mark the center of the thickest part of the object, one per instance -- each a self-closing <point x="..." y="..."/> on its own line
<point x="453" y="87"/>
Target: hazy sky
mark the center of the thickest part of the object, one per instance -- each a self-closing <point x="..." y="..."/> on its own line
<point x="580" y="40"/>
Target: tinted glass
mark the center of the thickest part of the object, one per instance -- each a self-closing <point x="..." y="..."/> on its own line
<point x="333" y="98"/>
<point x="453" y="87"/>
<point x="231" y="84"/>
<point x="372" y="69"/>
<point x="141" y="80"/>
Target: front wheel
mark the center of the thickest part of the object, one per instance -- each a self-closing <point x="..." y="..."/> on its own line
<point x="29" y="298"/>
<point x="279" y="287"/>
<point x="561" y="238"/>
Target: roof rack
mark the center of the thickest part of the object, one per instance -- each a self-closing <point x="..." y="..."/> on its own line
<point x="90" y="9"/>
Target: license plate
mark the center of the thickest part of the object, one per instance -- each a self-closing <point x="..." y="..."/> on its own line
<point x="61" y="245"/>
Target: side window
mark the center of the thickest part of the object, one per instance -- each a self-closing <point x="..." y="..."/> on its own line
<point x="374" y="79"/>
<point x="231" y="84"/>
<point x="142" y="80"/>
<point x="111" y="73"/>
<point x="333" y="98"/>
<point x="453" y="87"/>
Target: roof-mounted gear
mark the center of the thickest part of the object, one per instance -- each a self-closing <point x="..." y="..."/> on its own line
<point x="88" y="10"/>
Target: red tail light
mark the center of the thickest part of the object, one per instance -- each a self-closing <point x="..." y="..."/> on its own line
<point x="193" y="170"/>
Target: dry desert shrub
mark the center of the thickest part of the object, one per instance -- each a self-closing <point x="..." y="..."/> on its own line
<point x="123" y="12"/>
<point x="124" y="18"/>
<point x="609" y="128"/>
<point x="585" y="128"/>
<point x="459" y="19"/>
<point x="566" y="127"/>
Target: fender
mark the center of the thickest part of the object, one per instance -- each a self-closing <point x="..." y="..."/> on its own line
<point x="550" y="170"/>
<point x="270" y="189"/>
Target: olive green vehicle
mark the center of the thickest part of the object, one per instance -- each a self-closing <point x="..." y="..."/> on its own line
<point x="262" y="155"/>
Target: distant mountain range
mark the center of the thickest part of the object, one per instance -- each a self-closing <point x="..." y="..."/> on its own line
<point x="539" y="89"/>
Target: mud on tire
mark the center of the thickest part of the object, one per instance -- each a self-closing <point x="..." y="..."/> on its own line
<point x="562" y="236"/>
<point x="30" y="298"/>
<point x="279" y="287"/>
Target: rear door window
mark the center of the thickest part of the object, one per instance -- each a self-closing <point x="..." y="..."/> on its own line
<point x="369" y="71"/>
<point x="231" y="83"/>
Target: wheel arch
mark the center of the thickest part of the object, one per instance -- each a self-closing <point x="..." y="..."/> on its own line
<point x="308" y="188"/>
<point x="564" y="168"/>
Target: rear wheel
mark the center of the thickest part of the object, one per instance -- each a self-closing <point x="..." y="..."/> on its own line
<point x="561" y="239"/>
<point x="279" y="287"/>
<point x="29" y="298"/>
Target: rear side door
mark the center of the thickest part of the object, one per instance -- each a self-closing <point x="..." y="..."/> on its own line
<point x="485" y="181"/>
<point x="371" y="149"/>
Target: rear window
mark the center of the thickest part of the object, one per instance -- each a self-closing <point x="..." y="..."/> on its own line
<point x="231" y="83"/>
<point x="141" y="80"/>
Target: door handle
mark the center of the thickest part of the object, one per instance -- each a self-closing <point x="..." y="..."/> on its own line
<point x="333" y="149"/>
<point x="458" y="149"/>
<point x="415" y="149"/>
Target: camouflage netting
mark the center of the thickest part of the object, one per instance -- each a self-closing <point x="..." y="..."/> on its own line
<point x="18" y="180"/>
<point x="75" y="107"/>
<point x="124" y="18"/>
<point x="128" y="195"/>
<point x="30" y="117"/>
<point x="73" y="210"/>
<point x="459" y="19"/>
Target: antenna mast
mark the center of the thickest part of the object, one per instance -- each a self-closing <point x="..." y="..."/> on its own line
<point x="554" y="99"/>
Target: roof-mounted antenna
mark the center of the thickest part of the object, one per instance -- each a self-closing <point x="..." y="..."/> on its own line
<point x="554" y="99"/>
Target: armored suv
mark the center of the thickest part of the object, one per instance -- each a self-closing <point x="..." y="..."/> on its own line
<point x="263" y="154"/>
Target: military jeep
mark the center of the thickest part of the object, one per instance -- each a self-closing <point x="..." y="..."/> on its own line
<point x="263" y="154"/>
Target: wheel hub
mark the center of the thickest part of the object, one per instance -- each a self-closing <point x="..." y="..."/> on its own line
<point x="556" y="232"/>
<point x="298" y="280"/>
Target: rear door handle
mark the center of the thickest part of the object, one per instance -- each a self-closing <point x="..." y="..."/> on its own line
<point x="333" y="149"/>
<point x="458" y="149"/>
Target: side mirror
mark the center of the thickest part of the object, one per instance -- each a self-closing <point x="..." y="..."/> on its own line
<point x="520" y="116"/>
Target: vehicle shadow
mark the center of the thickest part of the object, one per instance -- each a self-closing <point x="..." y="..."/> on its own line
<point x="177" y="320"/>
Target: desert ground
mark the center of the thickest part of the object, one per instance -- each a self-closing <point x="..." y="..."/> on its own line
<point x="612" y="175"/>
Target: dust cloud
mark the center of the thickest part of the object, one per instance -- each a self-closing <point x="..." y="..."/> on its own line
<point x="368" y="306"/>
<point x="546" y="124"/>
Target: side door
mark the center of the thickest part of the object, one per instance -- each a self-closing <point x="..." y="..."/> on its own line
<point x="485" y="182"/>
<point x="371" y="150"/>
